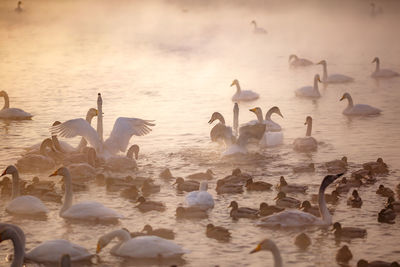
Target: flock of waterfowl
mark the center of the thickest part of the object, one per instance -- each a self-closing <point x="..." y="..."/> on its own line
<point x="98" y="160"/>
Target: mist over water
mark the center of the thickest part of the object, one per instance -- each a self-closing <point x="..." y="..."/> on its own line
<point x="173" y="62"/>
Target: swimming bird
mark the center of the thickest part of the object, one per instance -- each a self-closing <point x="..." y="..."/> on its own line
<point x="355" y="200"/>
<point x="148" y="187"/>
<point x="385" y="191"/>
<point x="8" y="113"/>
<point x="160" y="232"/>
<point x="187" y="186"/>
<point x="254" y="130"/>
<point x="191" y="213"/>
<point x="123" y="130"/>
<point x="243" y="95"/>
<point x="85" y="211"/>
<point x="364" y="263"/>
<point x="217" y="232"/>
<point x="124" y="163"/>
<point x="220" y="132"/>
<point x="283" y="186"/>
<point x="333" y="78"/>
<point x="208" y="175"/>
<point x="395" y="205"/>
<point x="382" y="73"/>
<point x="308" y="143"/>
<point x="201" y="198"/>
<point x="310" y="91"/>
<point x="242" y="212"/>
<point x="283" y="201"/>
<point x="37" y="162"/>
<point x="143" y="247"/>
<point x="228" y="188"/>
<point x="269" y="245"/>
<point x="348" y="232"/>
<point x="344" y="254"/>
<point x="266" y="210"/>
<point x="337" y="165"/>
<point x="358" y="109"/>
<point x="376" y="167"/>
<point x="299" y="62"/>
<point x="296" y="218"/>
<point x="302" y="241"/>
<point x="258" y="30"/>
<point x="332" y="198"/>
<point x="387" y="215"/>
<point x="148" y="205"/>
<point x="307" y="207"/>
<point x="257" y="186"/>
<point x="23" y="205"/>
<point x="304" y="168"/>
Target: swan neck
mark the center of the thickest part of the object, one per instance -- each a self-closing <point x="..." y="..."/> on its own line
<point x="326" y="216"/>
<point x="100" y="118"/>
<point x="377" y="66"/>
<point x="236" y="118"/>
<point x="309" y="128"/>
<point x="238" y="89"/>
<point x="277" y="256"/>
<point x="221" y="119"/>
<point x="68" y="193"/>
<point x="15" y="185"/>
<point x="6" y="101"/>
<point x="325" y="72"/>
<point x="121" y="234"/>
<point x="19" y="249"/>
<point x="57" y="143"/>
<point x="316" y="84"/>
<point x="350" y="105"/>
<point x="269" y="114"/>
<point x="260" y="116"/>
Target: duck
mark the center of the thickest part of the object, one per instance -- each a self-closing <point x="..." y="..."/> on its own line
<point x="355" y="200"/>
<point x="378" y="167"/>
<point x="307" y="207"/>
<point x="257" y="186"/>
<point x="37" y="162"/>
<point x="217" y="232"/>
<point x="348" y="232"/>
<point x="200" y="198"/>
<point x="266" y="210"/>
<point x="147" y="205"/>
<point x="166" y="174"/>
<point x="310" y="91"/>
<point x="242" y="212"/>
<point x="228" y="188"/>
<point x="333" y="78"/>
<point x="124" y="163"/>
<point x="387" y="215"/>
<point x="385" y="191"/>
<point x="302" y="241"/>
<point x="331" y="198"/>
<point x="23" y="205"/>
<point x="186" y="186"/>
<point x="343" y="186"/>
<point x="7" y="113"/>
<point x="221" y="132"/>
<point x="304" y="168"/>
<point x="282" y="201"/>
<point x="148" y="187"/>
<point x="191" y="213"/>
<point x="299" y="62"/>
<point x="258" y="30"/>
<point x="237" y="177"/>
<point x="364" y="263"/>
<point x="382" y="73"/>
<point x="283" y="186"/>
<point x="358" y="109"/>
<point x="297" y="218"/>
<point x="270" y="245"/>
<point x="208" y="175"/>
<point x="143" y="247"/>
<point x="337" y="165"/>
<point x="161" y="232"/>
<point x="344" y="254"/>
<point x="395" y="204"/>
<point x="243" y="95"/>
<point x="83" y="211"/>
<point x="131" y="193"/>
<point x="308" y="143"/>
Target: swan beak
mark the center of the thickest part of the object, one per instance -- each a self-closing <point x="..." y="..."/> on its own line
<point x="253" y="110"/>
<point x="4" y="173"/>
<point x="319" y="80"/>
<point x="98" y="249"/>
<point x="233" y="83"/>
<point x="280" y="114"/>
<point x="258" y="248"/>
<point x="342" y="98"/>
<point x="53" y="174"/>
<point x="97" y="112"/>
<point x="210" y="121"/>
<point x="319" y="63"/>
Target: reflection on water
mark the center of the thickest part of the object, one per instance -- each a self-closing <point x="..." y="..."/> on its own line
<point x="173" y="62"/>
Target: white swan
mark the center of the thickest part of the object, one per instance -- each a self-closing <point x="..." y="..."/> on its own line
<point x="299" y="62"/>
<point x="382" y="73"/>
<point x="23" y="205"/>
<point x="124" y="163"/>
<point x="37" y="162"/>
<point x="271" y="125"/>
<point x="297" y="218"/>
<point x="88" y="210"/>
<point x="143" y="247"/>
<point x="358" y="109"/>
<point x="258" y="30"/>
<point x="220" y="132"/>
<point x="243" y="95"/>
<point x="123" y="130"/>
<point x="333" y="78"/>
<point x="310" y="91"/>
<point x="201" y="198"/>
<point x="8" y="113"/>
<point x="269" y="245"/>
<point x="307" y="143"/>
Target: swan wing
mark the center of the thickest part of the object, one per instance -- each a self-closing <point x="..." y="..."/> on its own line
<point x="221" y="132"/>
<point x="28" y="205"/>
<point x="90" y="210"/>
<point x="289" y="218"/>
<point x="123" y="130"/>
<point x="362" y="109"/>
<point x="75" y="127"/>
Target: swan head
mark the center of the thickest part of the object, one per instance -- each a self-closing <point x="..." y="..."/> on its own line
<point x="292" y="56"/>
<point x="3" y="93"/>
<point x="376" y="59"/>
<point x="134" y="149"/>
<point x="215" y="116"/>
<point x="7" y="233"/>
<point x="253" y="22"/>
<point x="63" y="171"/>
<point x="317" y="78"/>
<point x="275" y="110"/>
<point x="345" y="95"/>
<point x="256" y="110"/>
<point x="235" y="82"/>
<point x="280" y="195"/>
<point x="329" y="179"/>
<point x="266" y="244"/>
<point x="203" y="186"/>
<point x="233" y="205"/>
<point x="322" y="62"/>
<point x="92" y="112"/>
<point x="9" y="170"/>
<point x="308" y="120"/>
